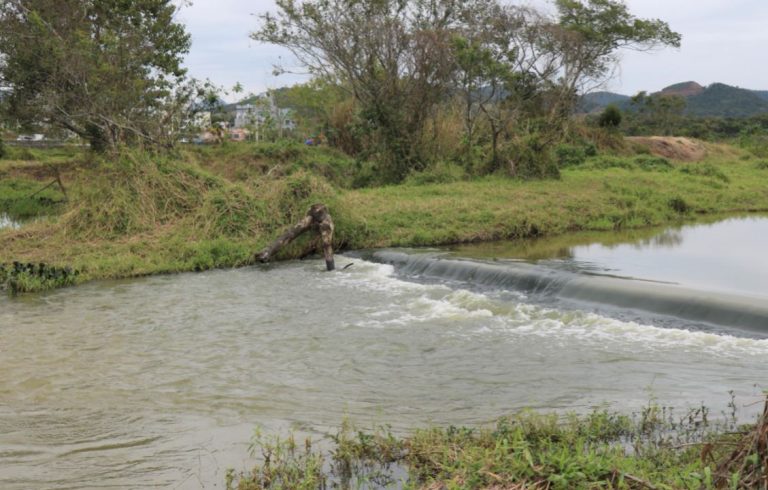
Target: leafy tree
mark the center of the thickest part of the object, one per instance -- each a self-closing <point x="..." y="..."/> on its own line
<point x="392" y="55"/>
<point x="589" y="35"/>
<point x="500" y="67"/>
<point x="610" y="117"/>
<point x="662" y="112"/>
<point x="313" y="103"/>
<point x="107" y="70"/>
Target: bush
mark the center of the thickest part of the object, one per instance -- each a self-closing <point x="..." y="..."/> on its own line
<point x="679" y="205"/>
<point x="610" y="117"/>
<point x="569" y="155"/>
<point x="529" y="158"/>
<point x="2" y="149"/>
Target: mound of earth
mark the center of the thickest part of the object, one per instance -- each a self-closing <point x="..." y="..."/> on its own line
<point x="672" y="147"/>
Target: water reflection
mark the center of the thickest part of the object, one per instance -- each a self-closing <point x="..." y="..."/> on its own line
<point x="724" y="256"/>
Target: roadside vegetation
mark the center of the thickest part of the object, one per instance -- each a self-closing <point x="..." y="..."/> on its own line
<point x="653" y="449"/>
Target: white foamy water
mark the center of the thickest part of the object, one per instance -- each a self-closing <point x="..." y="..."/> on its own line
<point x="414" y="302"/>
<point x="159" y="381"/>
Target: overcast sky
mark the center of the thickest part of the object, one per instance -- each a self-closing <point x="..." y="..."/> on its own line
<point x="723" y="41"/>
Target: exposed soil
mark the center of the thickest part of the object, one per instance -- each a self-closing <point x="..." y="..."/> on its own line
<point x="674" y="148"/>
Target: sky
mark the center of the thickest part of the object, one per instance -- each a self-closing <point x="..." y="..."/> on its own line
<point x="723" y="41"/>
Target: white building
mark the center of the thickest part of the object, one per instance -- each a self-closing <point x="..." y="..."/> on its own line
<point x="263" y="110"/>
<point x="30" y="137"/>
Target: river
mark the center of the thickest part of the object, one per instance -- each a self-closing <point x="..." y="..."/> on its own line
<point x="159" y="381"/>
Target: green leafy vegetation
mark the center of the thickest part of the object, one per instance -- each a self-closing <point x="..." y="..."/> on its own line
<point x="654" y="448"/>
<point x="23" y="278"/>
<point x="217" y="206"/>
<point x="22" y="199"/>
<point x="480" y="83"/>
<point x="124" y="68"/>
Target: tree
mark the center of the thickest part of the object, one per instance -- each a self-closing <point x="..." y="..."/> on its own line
<point x="392" y="55"/>
<point x="314" y="104"/>
<point x="660" y="111"/>
<point x="610" y="117"/>
<point x="107" y="70"/>
<point x="588" y="36"/>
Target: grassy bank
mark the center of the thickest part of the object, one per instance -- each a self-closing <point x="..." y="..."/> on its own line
<point x="653" y="449"/>
<point x="215" y="206"/>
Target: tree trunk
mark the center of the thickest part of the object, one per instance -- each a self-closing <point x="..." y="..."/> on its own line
<point x="317" y="218"/>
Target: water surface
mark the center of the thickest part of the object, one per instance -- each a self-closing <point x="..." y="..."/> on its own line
<point x="158" y="382"/>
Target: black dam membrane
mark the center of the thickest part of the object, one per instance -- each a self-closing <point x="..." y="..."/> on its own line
<point x="646" y="301"/>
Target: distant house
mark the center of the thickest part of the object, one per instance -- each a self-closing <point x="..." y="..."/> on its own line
<point x="264" y="110"/>
<point x="238" y="134"/>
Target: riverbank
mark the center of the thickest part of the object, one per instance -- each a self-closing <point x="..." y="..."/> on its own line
<point x="215" y="207"/>
<point x="652" y="449"/>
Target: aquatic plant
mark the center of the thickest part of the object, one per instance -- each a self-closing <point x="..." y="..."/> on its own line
<point x="653" y="448"/>
<point x="24" y="278"/>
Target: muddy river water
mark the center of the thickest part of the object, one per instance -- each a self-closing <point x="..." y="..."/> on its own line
<point x="160" y="381"/>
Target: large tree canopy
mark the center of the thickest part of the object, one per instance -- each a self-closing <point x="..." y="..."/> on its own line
<point x="593" y="31"/>
<point x="100" y="68"/>
<point x="393" y="55"/>
<point x="403" y="60"/>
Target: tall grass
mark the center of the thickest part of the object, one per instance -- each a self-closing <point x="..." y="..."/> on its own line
<point x="653" y="448"/>
<point x="215" y="207"/>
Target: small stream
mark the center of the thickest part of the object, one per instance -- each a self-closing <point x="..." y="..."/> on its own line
<point x="160" y="381"/>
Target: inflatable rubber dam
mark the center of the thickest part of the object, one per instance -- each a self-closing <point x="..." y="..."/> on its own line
<point x="618" y="295"/>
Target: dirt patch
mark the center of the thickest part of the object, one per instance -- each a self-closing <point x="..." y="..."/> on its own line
<point x="674" y="148"/>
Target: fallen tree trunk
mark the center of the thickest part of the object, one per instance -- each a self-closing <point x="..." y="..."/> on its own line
<point x="317" y="218"/>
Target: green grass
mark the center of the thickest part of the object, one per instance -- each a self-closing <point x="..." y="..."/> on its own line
<point x="650" y="449"/>
<point x="25" y="198"/>
<point x="217" y="206"/>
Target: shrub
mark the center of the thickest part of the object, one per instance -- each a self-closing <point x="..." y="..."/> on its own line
<point x="2" y="149"/>
<point x="529" y="158"/>
<point x="610" y="117"/>
<point x="19" y="278"/>
<point x="569" y="155"/>
<point x="679" y="205"/>
<point x="762" y="165"/>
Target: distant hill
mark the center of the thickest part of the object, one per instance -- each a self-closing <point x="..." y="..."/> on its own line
<point x="718" y="100"/>
<point x="598" y="100"/>
<point x="684" y="89"/>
